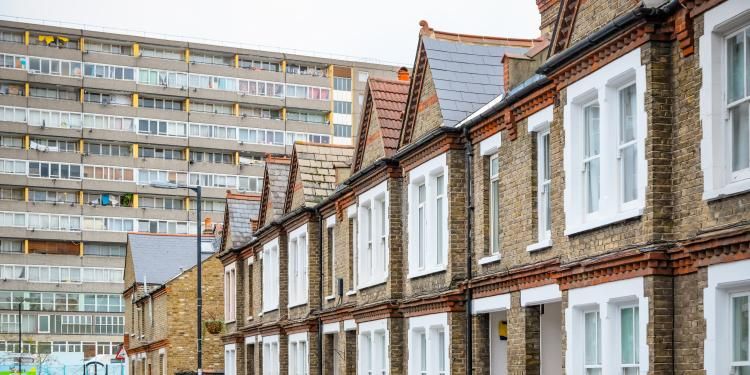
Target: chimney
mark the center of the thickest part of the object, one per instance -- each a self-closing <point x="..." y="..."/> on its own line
<point x="403" y="74"/>
<point x="207" y="226"/>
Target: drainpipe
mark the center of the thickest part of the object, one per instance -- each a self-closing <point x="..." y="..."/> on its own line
<point x="320" y="289"/>
<point x="469" y="156"/>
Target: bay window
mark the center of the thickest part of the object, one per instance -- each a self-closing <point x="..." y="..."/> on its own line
<point x="372" y="236"/>
<point x="298" y="262"/>
<point x="605" y="163"/>
<point x="428" y="216"/>
<point x="270" y="273"/>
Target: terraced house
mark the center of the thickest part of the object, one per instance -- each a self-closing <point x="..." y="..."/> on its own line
<point x="90" y="121"/>
<point x="570" y="204"/>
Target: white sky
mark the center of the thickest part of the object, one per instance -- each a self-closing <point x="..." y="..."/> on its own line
<point x="382" y="30"/>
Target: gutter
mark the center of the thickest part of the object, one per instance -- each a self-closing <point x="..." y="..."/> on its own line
<point x="616" y="25"/>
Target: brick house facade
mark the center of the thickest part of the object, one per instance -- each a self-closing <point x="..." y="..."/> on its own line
<point x="569" y="204"/>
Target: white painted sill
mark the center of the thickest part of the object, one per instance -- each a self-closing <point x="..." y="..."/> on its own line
<point x="727" y="190"/>
<point x="604" y="221"/>
<point x="489" y="259"/>
<point x="371" y="284"/>
<point x="426" y="271"/>
<point x="330" y="298"/>
<point x="539" y="245"/>
<point x="351" y="293"/>
<point x="296" y="304"/>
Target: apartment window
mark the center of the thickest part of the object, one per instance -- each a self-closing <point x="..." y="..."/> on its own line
<point x="495" y="204"/>
<point x="55" y="119"/>
<point x="211" y="157"/>
<point x="373" y="348"/>
<point x="307" y="70"/>
<point x="11" y="246"/>
<point x="56" y="67"/>
<point x="298" y="354"/>
<point x="9" y="141"/>
<point x="10" y="166"/>
<point x="271" y="355"/>
<point x="162" y="78"/>
<point x="165" y="226"/>
<point x="593" y="343"/>
<point x="160" y="153"/>
<point x="108" y="71"/>
<point x="92" y="121"/>
<point x="161" y="53"/>
<point x="12" y="114"/>
<point x="211" y="58"/>
<point x="53" y="196"/>
<point x="53" y="145"/>
<point x="109" y="325"/>
<point x="12" y="61"/>
<point x="254" y="64"/>
<point x="158" y="103"/>
<point x="230" y="294"/>
<point x="114" y="224"/>
<point x="105" y="47"/>
<point x="107" y="99"/>
<point x="605" y="137"/>
<point x="373" y="234"/>
<point x="266" y="113"/>
<point x="161" y="203"/>
<point x="292" y="137"/>
<point x="55" y="170"/>
<point x="106" y="149"/>
<point x="261" y="136"/>
<point x="205" y="107"/>
<point x="12" y="219"/>
<point x="11" y="194"/>
<point x="271" y="276"/>
<point x="256" y="88"/>
<point x="342" y="107"/>
<point x="308" y="92"/>
<point x="629" y="340"/>
<point x="53" y="93"/>
<point x="362" y="76"/>
<point x="428" y="346"/>
<point x="161" y="127"/>
<point x="11" y="36"/>
<point x="342" y="84"/>
<point x="104" y="249"/>
<point x="311" y="117"/>
<point x="91" y="172"/>
<point x="340" y="130"/>
<point x="740" y="334"/>
<point x="298" y="261"/>
<point x="427" y="186"/>
<point x="209" y="205"/>
<point x="213" y="131"/>
<point x="213" y="82"/>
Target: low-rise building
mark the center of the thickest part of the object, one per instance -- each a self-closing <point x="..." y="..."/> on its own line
<point x="160" y="309"/>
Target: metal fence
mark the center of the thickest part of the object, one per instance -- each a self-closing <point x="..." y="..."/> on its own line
<point x="42" y="369"/>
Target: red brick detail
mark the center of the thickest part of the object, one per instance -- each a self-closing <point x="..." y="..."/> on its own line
<point x="453" y="301"/>
<point x="720" y="247"/>
<point x="617" y="266"/>
<point x="532" y="276"/>
<point x="683" y="28"/>
<point x="427" y="102"/>
<point x="375" y="312"/>
<point x="566" y="21"/>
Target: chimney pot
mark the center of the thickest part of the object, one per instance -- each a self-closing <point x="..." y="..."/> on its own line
<point x="403" y="74"/>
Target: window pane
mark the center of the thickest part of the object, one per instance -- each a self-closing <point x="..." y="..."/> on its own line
<point x="735" y="68"/>
<point x="591" y="114"/>
<point x="740" y="327"/>
<point x="592" y="337"/>
<point x="627" y="114"/>
<point x="629" y="335"/>
<point x="592" y="186"/>
<point x="740" y="137"/>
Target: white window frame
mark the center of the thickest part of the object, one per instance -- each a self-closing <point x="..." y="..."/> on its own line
<point x="608" y="299"/>
<point x="494" y="207"/>
<point x="618" y="317"/>
<point x="371" y="358"/>
<point x="297" y="270"/>
<point x="719" y="22"/>
<point x="352" y="215"/>
<point x="725" y="281"/>
<point x="428" y="173"/>
<point x="271" y="355"/>
<point x="270" y="264"/>
<point x="539" y="124"/>
<point x="373" y="246"/>
<point x="331" y="224"/>
<point x="230" y="292"/>
<point x="602" y="87"/>
<point x="299" y="363"/>
<point x="431" y="326"/>
<point x="230" y="359"/>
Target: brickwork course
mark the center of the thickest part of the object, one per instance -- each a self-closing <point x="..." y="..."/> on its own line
<point x="666" y="249"/>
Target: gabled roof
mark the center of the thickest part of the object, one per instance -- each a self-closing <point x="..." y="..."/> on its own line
<point x="467" y="72"/>
<point x="275" y="179"/>
<point x="313" y="170"/>
<point x="158" y="258"/>
<point x="240" y="210"/>
<point x="387" y="100"/>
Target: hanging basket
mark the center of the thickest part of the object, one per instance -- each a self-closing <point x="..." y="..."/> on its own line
<point x="214" y="326"/>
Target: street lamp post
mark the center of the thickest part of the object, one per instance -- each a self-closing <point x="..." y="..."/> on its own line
<point x="199" y="266"/>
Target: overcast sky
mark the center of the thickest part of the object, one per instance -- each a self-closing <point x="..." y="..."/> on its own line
<point x="382" y="30"/>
